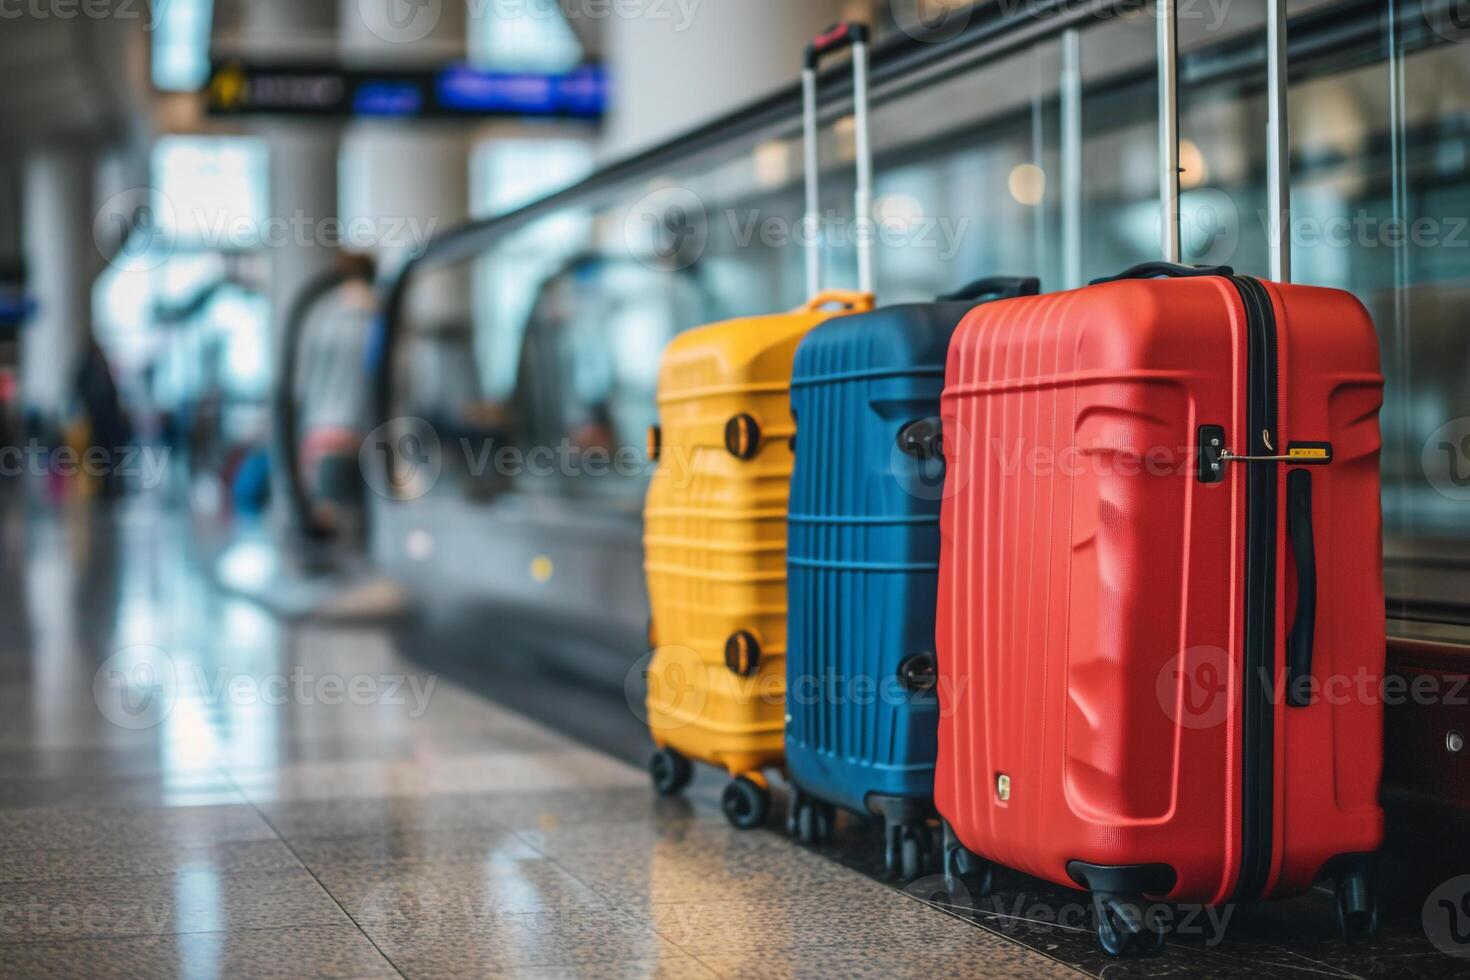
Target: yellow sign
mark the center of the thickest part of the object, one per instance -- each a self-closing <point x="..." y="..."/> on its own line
<point x="228" y="88"/>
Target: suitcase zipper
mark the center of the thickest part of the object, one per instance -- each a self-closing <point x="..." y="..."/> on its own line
<point x="1258" y="721"/>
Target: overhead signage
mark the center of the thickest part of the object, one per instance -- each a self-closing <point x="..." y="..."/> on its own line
<point x="238" y="88"/>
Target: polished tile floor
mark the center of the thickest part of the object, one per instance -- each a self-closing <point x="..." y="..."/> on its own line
<point x="188" y="787"/>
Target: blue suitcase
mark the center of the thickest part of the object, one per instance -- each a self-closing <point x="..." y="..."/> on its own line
<point x="863" y="567"/>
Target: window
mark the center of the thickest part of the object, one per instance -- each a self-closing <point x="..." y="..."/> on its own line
<point x="522" y="35"/>
<point x="181" y="44"/>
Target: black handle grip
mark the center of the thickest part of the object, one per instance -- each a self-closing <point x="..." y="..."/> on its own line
<point x="838" y="37"/>
<point x="998" y="287"/>
<point x="1167" y="270"/>
<point x="1304" y="630"/>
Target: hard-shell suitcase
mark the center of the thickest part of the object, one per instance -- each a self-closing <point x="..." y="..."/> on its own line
<point x="715" y="541"/>
<point x="1161" y="609"/>
<point x="863" y="560"/>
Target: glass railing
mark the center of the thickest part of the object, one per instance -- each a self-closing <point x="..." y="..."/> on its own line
<point x="1022" y="146"/>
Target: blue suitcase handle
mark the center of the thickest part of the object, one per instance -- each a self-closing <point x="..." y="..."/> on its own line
<point x="995" y="287"/>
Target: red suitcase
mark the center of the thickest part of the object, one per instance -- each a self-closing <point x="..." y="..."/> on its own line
<point x="1159" y="661"/>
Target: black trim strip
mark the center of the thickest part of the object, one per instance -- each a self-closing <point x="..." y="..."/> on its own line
<point x="1257" y="703"/>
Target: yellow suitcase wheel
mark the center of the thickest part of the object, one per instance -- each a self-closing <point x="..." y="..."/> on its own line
<point x="746" y="803"/>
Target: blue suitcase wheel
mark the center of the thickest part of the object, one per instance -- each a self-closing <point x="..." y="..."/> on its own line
<point x="743" y="654"/>
<point x="743" y="437"/>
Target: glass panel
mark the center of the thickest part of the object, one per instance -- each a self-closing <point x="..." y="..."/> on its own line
<point x="982" y="170"/>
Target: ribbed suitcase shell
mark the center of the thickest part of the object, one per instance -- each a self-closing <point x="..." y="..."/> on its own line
<point x="715" y="537"/>
<point x="1081" y="604"/>
<point x="864" y="554"/>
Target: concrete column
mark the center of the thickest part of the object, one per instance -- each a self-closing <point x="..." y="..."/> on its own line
<point x="408" y="180"/>
<point x="304" y="194"/>
<point x="63" y="262"/>
<point x="685" y="63"/>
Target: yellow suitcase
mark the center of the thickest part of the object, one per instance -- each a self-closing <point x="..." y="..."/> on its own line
<point x="715" y="519"/>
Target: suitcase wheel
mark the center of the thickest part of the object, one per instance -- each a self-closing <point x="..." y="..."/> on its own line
<point x="743" y="654"/>
<point x="746" y="804"/>
<point x="967" y="878"/>
<point x="743" y="437"/>
<point x="815" y="821"/>
<point x="1124" y="930"/>
<point x="1357" y="907"/>
<point x="671" y="772"/>
<point x="906" y="852"/>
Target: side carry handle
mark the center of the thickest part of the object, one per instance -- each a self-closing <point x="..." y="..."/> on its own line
<point x="997" y="287"/>
<point x="1167" y="270"/>
<point x="1300" y="641"/>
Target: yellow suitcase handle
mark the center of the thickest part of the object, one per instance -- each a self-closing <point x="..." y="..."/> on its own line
<point x="851" y="299"/>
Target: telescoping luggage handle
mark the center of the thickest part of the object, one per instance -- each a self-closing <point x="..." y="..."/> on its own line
<point x="1214" y="456"/>
<point x="838" y="38"/>
<point x="1278" y="151"/>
